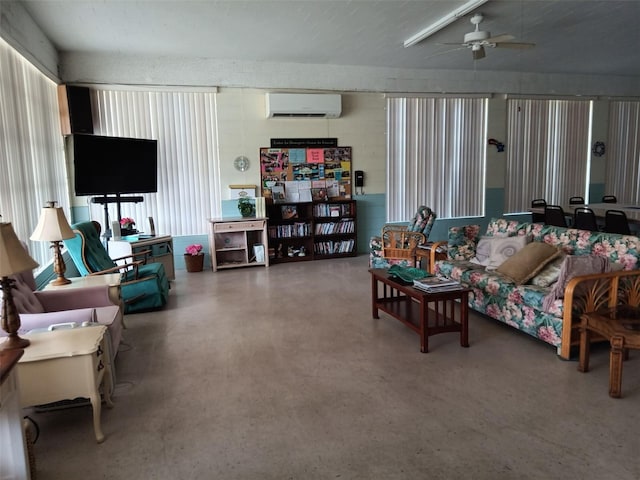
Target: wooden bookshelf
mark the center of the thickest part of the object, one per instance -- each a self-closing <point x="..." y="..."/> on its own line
<point x="312" y="230"/>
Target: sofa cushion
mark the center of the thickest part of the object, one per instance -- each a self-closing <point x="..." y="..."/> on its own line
<point x="24" y="298"/>
<point x="462" y="242"/>
<point x="528" y="261"/>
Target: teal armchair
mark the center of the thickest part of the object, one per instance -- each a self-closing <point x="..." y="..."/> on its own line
<point x="144" y="286"/>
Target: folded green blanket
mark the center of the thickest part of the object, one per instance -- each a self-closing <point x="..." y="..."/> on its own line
<point x="407" y="274"/>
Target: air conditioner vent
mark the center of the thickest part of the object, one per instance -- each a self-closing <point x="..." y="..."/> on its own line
<point x="303" y="105"/>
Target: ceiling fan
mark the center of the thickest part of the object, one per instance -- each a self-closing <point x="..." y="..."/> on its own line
<point x="478" y="39"/>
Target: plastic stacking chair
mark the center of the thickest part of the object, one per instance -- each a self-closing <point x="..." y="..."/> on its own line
<point x="585" y="219"/>
<point x="554" y="215"/>
<point x="609" y="199"/>
<point x="538" y="203"/>
<point x="615" y="221"/>
<point x="576" y="201"/>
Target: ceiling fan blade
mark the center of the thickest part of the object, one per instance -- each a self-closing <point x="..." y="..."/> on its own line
<point x="478" y="53"/>
<point x="449" y="50"/>
<point x="515" y="45"/>
<point x="505" y="37"/>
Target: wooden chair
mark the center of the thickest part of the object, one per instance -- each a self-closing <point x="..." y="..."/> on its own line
<point x="399" y="245"/>
<point x="554" y="215"/>
<point x="585" y="219"/>
<point x="615" y="221"/>
<point x="576" y="201"/>
<point x="538" y="203"/>
<point x="609" y="199"/>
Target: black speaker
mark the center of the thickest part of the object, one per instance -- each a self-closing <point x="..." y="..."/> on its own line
<point x="74" y="104"/>
<point x="359" y="174"/>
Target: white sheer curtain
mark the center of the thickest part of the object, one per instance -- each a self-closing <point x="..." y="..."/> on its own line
<point x="548" y="151"/>
<point x="184" y="123"/>
<point x="32" y="160"/>
<point x="435" y="156"/>
<point x="623" y="152"/>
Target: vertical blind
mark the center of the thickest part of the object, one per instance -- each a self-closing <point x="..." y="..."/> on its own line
<point x="32" y="160"/>
<point x="435" y="156"/>
<point x="548" y="148"/>
<point x="622" y="177"/>
<point x="184" y="124"/>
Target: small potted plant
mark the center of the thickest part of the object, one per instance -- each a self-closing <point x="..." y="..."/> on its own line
<point x="194" y="258"/>
<point x="247" y="207"/>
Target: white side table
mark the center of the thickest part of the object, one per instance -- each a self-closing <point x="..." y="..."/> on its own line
<point x="14" y="459"/>
<point x="66" y="364"/>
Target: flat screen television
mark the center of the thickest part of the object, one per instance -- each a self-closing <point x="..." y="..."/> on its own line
<point x="111" y="165"/>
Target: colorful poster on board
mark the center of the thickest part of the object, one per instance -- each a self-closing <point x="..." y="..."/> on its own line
<point x="326" y="170"/>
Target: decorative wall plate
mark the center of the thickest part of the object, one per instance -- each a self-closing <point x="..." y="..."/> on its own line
<point x="598" y="149"/>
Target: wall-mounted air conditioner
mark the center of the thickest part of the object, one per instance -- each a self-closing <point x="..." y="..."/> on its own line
<point x="313" y="105"/>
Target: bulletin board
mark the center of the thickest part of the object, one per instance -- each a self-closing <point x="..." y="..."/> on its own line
<point x="305" y="174"/>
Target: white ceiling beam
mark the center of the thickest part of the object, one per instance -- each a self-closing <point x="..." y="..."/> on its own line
<point x="444" y="21"/>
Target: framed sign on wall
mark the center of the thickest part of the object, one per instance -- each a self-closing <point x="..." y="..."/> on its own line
<point x="305" y="174"/>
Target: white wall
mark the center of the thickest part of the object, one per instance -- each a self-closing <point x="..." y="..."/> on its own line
<point x="244" y="129"/>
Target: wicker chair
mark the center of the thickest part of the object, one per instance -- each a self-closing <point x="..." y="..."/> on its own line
<point x="398" y="242"/>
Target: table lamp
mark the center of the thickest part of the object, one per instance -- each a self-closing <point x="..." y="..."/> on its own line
<point x="13" y="259"/>
<point x="53" y="227"/>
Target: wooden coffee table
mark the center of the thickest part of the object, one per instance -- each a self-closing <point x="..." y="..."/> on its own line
<point x="621" y="327"/>
<point x="425" y="313"/>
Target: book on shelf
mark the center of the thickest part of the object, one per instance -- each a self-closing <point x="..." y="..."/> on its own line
<point x="278" y="193"/>
<point x="436" y="284"/>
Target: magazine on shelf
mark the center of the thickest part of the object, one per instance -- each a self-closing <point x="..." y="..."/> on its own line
<point x="436" y="284"/>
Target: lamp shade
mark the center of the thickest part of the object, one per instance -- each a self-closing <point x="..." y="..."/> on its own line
<point x="13" y="256"/>
<point x="52" y="225"/>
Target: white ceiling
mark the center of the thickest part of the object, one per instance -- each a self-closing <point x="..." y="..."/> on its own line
<point x="599" y="37"/>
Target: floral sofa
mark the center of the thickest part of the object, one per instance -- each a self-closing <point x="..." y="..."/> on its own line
<point x="547" y="302"/>
<point x="421" y="222"/>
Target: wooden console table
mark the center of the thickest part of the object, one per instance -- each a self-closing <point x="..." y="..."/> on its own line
<point x="425" y="313"/>
<point x="238" y="242"/>
<point x="161" y="247"/>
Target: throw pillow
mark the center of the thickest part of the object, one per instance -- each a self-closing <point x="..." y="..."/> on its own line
<point x="528" y="261"/>
<point x="504" y="247"/>
<point x="483" y="251"/>
<point x="550" y="273"/>
<point x="573" y="266"/>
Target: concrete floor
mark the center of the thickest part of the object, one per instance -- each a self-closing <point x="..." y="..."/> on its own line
<point x="281" y="373"/>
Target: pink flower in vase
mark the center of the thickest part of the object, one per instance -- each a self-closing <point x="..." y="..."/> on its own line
<point x="127" y="222"/>
<point x="194" y="249"/>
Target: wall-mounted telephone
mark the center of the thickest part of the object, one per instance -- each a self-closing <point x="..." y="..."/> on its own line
<point x="359" y="181"/>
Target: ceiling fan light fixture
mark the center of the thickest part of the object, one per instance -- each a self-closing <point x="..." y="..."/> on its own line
<point x="478" y="51"/>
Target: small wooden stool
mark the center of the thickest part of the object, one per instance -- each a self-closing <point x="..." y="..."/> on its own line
<point x="621" y="327"/>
